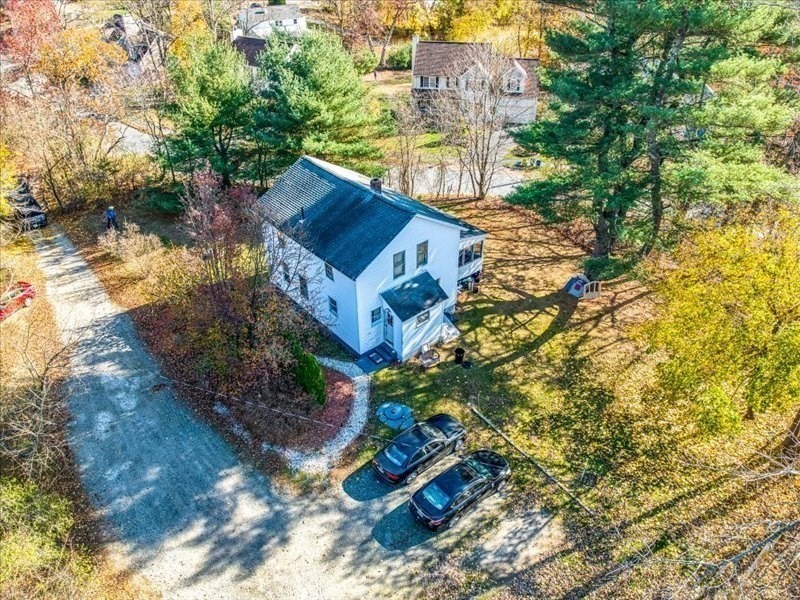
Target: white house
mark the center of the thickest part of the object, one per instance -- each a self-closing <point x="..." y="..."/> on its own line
<point x="438" y="67"/>
<point x="380" y="270"/>
<point x="259" y="21"/>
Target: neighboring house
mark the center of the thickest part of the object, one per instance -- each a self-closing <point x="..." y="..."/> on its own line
<point x="438" y="67"/>
<point x="144" y="45"/>
<point x="260" y="21"/>
<point x="381" y="271"/>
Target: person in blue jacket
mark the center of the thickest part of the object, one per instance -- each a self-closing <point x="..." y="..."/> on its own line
<point x="111" y="218"/>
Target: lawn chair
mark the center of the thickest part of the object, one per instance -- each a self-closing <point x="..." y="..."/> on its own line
<point x="428" y="356"/>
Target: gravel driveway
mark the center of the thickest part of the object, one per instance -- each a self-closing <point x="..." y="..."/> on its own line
<point x="184" y="510"/>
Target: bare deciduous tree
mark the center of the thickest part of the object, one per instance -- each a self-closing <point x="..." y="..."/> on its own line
<point x="31" y="411"/>
<point x="471" y="110"/>
<point x="406" y="158"/>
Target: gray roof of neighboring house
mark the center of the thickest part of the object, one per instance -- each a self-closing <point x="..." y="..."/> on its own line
<point x="440" y="58"/>
<point x="272" y="13"/>
<point x="414" y="296"/>
<point x="250" y="47"/>
<point x="345" y="223"/>
<point x="432" y="59"/>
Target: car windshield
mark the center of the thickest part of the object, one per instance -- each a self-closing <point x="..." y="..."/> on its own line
<point x="408" y="442"/>
<point x="396" y="454"/>
<point x="436" y="496"/>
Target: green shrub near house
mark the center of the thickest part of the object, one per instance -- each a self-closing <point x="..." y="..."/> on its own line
<point x="365" y="61"/>
<point x="310" y="376"/>
<point x="399" y="57"/>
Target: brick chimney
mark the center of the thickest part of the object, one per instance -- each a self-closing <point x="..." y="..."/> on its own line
<point x="376" y="185"/>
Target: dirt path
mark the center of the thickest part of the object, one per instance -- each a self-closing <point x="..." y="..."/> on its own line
<point x="187" y="513"/>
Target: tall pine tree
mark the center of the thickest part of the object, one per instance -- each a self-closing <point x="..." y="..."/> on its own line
<point x="314" y="103"/>
<point x="628" y="87"/>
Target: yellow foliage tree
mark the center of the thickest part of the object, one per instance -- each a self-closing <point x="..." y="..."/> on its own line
<point x="79" y="56"/>
<point x="187" y="23"/>
<point x="7" y="180"/>
<point x="730" y="322"/>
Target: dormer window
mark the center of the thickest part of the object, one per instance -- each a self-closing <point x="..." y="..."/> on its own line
<point x="514" y="85"/>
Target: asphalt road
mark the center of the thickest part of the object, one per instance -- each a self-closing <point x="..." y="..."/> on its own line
<point x="187" y="513"/>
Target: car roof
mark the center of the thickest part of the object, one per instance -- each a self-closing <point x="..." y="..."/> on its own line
<point x="416" y="436"/>
<point x="456" y="479"/>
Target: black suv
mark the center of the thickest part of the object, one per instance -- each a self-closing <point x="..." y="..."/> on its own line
<point x="418" y="448"/>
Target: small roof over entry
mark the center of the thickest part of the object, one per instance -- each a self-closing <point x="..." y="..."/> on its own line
<point x="414" y="296"/>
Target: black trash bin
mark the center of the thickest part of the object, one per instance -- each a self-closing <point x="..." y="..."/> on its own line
<point x="460" y="355"/>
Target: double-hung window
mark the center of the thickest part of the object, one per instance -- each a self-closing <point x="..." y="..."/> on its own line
<point x="429" y="82"/>
<point x="399" y="264"/>
<point x="375" y="316"/>
<point x="286" y="276"/>
<point x="303" y="282"/>
<point x="329" y="271"/>
<point x="422" y="254"/>
<point x="332" y="306"/>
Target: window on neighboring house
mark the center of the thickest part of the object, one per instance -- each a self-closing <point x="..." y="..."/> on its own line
<point x="423" y="318"/>
<point x="303" y="286"/>
<point x="286" y="277"/>
<point x="448" y="83"/>
<point x="329" y="271"/>
<point x="279" y="23"/>
<point x="422" y="254"/>
<point x="375" y="316"/>
<point x="399" y="263"/>
<point x="514" y="85"/>
<point x="332" y="306"/>
<point x="281" y="240"/>
<point x="429" y="82"/>
<point x="294" y="21"/>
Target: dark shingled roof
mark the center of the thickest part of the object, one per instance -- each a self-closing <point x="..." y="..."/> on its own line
<point x="345" y="223"/>
<point x="250" y="47"/>
<point x="439" y="59"/>
<point x="414" y="296"/>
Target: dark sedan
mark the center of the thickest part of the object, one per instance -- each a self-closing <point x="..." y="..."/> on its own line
<point x="442" y="501"/>
<point x="28" y="218"/>
<point x="418" y="448"/>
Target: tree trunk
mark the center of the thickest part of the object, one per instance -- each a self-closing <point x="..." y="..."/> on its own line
<point x="604" y="237"/>
<point x="656" y="198"/>
<point x="791" y="444"/>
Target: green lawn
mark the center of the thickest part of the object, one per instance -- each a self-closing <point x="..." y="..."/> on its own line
<point x="521" y="332"/>
<point x="565" y="380"/>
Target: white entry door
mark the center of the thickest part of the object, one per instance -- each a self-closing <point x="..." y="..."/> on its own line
<point x="388" y="328"/>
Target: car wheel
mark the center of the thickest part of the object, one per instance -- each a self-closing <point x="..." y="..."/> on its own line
<point x="458" y="445"/>
<point x="411" y="477"/>
<point x="453" y="522"/>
